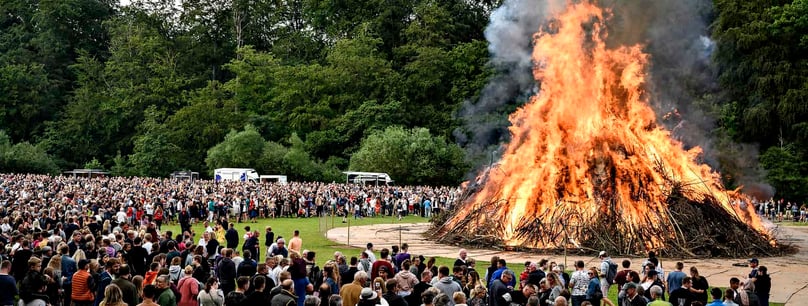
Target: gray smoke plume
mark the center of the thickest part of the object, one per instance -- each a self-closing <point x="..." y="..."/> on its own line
<point x="509" y="36"/>
<point x="682" y="86"/>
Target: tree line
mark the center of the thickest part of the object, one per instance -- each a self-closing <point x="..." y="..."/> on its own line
<point x="310" y="87"/>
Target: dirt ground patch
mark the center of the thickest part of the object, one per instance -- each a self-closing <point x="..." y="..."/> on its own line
<point x="789" y="273"/>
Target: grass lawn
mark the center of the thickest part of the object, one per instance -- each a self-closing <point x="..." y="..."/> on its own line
<point x="312" y="231"/>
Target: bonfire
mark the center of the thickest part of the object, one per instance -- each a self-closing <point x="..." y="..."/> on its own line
<point x="589" y="168"/>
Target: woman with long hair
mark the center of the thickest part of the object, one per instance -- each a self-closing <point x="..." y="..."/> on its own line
<point x="53" y="286"/>
<point x="79" y="255"/>
<point x="211" y="296"/>
<point x="112" y="296"/>
<point x="472" y="281"/>
<point x="331" y="278"/>
<point x="699" y="286"/>
<point x="554" y="284"/>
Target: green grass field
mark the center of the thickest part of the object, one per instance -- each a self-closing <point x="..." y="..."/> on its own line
<point x="312" y="231"/>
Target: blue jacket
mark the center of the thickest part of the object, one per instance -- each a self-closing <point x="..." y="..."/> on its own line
<point x="498" y="273"/>
<point x="594" y="286"/>
<point x="68" y="269"/>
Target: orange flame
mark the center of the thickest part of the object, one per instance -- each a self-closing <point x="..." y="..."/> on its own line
<point x="588" y="143"/>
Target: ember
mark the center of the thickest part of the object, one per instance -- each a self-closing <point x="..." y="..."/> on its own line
<point x="589" y="168"/>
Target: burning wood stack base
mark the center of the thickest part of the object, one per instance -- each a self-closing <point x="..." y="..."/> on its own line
<point x="694" y="230"/>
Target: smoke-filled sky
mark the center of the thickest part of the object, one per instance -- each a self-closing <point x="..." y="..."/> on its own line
<point x="674" y="33"/>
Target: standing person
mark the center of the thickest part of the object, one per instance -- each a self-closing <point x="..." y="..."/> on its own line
<point x="105" y="278"/>
<point x="350" y="292"/>
<point x="237" y="297"/>
<point x="675" y="278"/>
<point x="348" y="276"/>
<point x="211" y="295"/>
<point x="658" y="297"/>
<point x="489" y="273"/>
<point x="682" y="296"/>
<point x="391" y="296"/>
<point x="188" y="288"/>
<point x="605" y="269"/>
<point x="269" y="237"/>
<point x="286" y="296"/>
<point x="297" y="269"/>
<point x="69" y="268"/>
<point x="763" y="285"/>
<point x="593" y="291"/>
<point x="226" y="271"/>
<point x="631" y="298"/>
<point x="369" y="252"/>
<point x="150" y="295"/>
<point x="499" y="288"/>
<point x="405" y="279"/>
<point x="112" y="296"/>
<point x="621" y="278"/>
<point x="578" y="284"/>
<point x="753" y="263"/>
<point x="128" y="289"/>
<point x="82" y="284"/>
<point x="716" y="294"/>
<point x="295" y="243"/>
<point x="699" y="286"/>
<point x="382" y="262"/>
<point x="445" y="283"/>
<point x="8" y="286"/>
<point x="166" y="296"/>
<point x="461" y="259"/>
<point x="231" y="236"/>
<point x="415" y="297"/>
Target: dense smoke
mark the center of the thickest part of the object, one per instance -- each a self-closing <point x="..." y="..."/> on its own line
<point x="681" y="85"/>
<point x="509" y="37"/>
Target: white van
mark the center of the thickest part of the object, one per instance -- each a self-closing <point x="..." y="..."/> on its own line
<point x="235" y="174"/>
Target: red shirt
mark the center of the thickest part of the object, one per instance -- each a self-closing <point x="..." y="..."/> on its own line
<point x="374" y="271"/>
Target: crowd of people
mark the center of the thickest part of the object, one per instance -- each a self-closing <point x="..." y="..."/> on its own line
<point x="782" y="210"/>
<point x="90" y="242"/>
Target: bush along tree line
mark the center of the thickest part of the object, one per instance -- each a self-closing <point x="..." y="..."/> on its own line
<point x="307" y="87"/>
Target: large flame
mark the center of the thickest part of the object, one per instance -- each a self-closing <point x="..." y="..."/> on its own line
<point x="588" y="144"/>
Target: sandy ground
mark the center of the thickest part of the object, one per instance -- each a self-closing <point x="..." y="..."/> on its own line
<point x="789" y="273"/>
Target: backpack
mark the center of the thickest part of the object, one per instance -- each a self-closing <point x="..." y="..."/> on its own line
<point x="611" y="273"/>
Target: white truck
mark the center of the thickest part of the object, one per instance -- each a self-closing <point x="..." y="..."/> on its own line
<point x="235" y="174"/>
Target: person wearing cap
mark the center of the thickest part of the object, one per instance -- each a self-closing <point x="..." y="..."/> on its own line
<point x="753" y="263"/>
<point x="382" y="262"/>
<point x="369" y="297"/>
<point x="631" y="297"/>
<point x="82" y="282"/>
<point x="605" y="262"/>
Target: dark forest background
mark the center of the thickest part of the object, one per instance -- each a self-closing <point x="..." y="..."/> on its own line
<point x="307" y="88"/>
